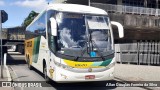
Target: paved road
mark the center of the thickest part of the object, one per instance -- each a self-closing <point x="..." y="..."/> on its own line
<point x="20" y="72"/>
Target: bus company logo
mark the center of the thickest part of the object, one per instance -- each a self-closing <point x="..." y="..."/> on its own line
<point x="89" y="69"/>
<point x="80" y="65"/>
<point x="43" y="44"/>
<point x="29" y="44"/>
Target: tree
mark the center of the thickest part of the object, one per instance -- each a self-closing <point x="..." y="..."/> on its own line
<point x="29" y="19"/>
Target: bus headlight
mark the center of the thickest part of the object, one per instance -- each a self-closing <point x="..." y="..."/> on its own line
<point x="66" y="67"/>
<point x="62" y="65"/>
<point x="111" y="65"/>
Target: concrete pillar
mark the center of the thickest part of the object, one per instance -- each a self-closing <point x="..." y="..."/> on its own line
<point x="157" y="4"/>
<point x="4" y="59"/>
<point x="157" y="7"/>
<point x="145" y="3"/>
<point x="119" y="2"/>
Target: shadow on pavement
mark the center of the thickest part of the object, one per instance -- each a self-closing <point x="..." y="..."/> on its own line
<point x="96" y="85"/>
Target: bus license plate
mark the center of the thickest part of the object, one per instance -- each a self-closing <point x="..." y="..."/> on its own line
<point x="90" y="77"/>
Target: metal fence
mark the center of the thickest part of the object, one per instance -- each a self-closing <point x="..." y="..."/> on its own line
<point x="142" y="52"/>
<point x="127" y="9"/>
<point x="130" y="18"/>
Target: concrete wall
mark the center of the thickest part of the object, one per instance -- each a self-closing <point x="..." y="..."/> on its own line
<point x="137" y="27"/>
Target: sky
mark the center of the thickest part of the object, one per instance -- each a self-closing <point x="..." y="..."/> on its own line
<point x="18" y="10"/>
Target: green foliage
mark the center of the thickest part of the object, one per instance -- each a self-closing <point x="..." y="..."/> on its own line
<point x="29" y="19"/>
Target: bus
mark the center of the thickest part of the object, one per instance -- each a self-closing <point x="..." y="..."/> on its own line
<point x="72" y="43"/>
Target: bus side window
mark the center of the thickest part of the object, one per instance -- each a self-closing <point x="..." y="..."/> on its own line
<point x="41" y="25"/>
<point x="38" y="28"/>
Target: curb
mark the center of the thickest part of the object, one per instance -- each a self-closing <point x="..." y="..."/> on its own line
<point x="7" y="73"/>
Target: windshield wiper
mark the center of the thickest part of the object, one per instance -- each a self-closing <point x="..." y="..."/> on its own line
<point x="86" y="48"/>
<point x="83" y="51"/>
<point x="93" y="43"/>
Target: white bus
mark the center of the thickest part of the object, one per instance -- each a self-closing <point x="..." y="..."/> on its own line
<point x="72" y="43"/>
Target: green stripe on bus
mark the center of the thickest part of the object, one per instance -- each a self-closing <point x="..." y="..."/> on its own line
<point x="102" y="63"/>
<point x="107" y="62"/>
<point x="36" y="49"/>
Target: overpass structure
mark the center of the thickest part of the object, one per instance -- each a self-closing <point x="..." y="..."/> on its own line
<point x="14" y="37"/>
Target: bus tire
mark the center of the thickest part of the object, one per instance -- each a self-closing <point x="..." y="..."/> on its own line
<point x="45" y="73"/>
<point x="29" y="65"/>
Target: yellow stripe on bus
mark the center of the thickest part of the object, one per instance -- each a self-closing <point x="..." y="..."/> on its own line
<point x="29" y="44"/>
<point x="79" y="64"/>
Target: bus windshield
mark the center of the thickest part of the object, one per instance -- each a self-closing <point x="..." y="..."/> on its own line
<point x="80" y="34"/>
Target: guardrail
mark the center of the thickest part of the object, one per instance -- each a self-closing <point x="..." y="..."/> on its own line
<point x="127" y="9"/>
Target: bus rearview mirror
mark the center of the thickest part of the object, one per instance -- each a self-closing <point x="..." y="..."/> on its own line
<point x="53" y="26"/>
<point x="120" y="28"/>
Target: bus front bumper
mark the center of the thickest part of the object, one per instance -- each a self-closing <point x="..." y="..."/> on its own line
<point x="61" y="75"/>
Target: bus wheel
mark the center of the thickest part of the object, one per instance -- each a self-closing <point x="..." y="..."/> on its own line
<point x="29" y="65"/>
<point x="45" y="74"/>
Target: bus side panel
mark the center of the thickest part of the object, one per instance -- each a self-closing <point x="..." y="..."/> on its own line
<point x="43" y="54"/>
<point x="32" y="49"/>
<point x="36" y="49"/>
<point x="29" y="49"/>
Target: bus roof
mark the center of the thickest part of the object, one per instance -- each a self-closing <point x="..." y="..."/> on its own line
<point x="77" y="8"/>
